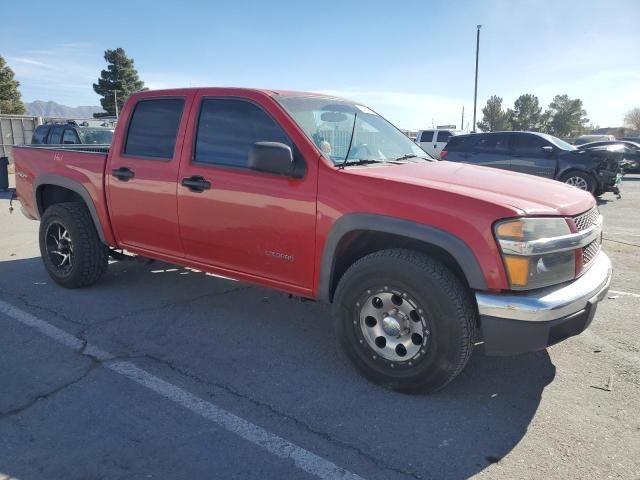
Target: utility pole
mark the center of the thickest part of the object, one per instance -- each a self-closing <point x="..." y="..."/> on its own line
<point x="462" y="121"/>
<point x="475" y="93"/>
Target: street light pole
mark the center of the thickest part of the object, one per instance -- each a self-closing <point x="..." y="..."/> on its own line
<point x="475" y="93"/>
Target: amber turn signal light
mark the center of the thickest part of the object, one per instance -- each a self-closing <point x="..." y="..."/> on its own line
<point x="517" y="269"/>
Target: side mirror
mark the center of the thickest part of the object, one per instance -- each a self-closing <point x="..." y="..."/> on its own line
<point x="271" y="157"/>
<point x="547" y="149"/>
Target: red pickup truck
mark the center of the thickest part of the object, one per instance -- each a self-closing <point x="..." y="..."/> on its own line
<point x="322" y="198"/>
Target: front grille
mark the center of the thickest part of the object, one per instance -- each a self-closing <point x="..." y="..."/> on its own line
<point x="590" y="251"/>
<point x="586" y="219"/>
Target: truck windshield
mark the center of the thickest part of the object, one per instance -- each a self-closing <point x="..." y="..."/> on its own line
<point x="330" y="123"/>
<point x="96" y="136"/>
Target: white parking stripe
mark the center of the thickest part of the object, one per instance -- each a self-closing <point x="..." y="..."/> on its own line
<point x="302" y="459"/>
<point x="627" y="294"/>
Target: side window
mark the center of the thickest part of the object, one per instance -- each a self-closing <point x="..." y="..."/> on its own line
<point x="443" y="137"/>
<point x="55" y="137"/>
<point x="461" y="143"/>
<point x="40" y="135"/>
<point x="227" y="129"/>
<point x="527" y="144"/>
<point x="69" y="137"/>
<point x="153" y="128"/>
<point x="493" y="143"/>
<point x="427" y="136"/>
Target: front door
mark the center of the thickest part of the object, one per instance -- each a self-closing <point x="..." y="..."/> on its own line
<point x="142" y="177"/>
<point x="528" y="156"/>
<point x="240" y="220"/>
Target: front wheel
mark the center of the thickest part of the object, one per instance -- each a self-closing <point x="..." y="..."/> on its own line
<point x="70" y="247"/>
<point x="405" y="320"/>
<point x="580" y="180"/>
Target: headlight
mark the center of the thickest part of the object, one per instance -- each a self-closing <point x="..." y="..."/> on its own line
<point x="537" y="252"/>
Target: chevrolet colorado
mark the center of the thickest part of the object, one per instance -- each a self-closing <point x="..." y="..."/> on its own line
<point x="322" y="198"/>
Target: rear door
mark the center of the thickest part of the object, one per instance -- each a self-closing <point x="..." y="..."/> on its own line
<point x="243" y="221"/>
<point x="528" y="156"/>
<point x="142" y="175"/>
<point x="492" y="150"/>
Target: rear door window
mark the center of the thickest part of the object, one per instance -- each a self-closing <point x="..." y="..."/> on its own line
<point x="527" y="144"/>
<point x="70" y="137"/>
<point x="153" y="128"/>
<point x="427" y="136"/>
<point x="461" y="143"/>
<point x="55" y="137"/>
<point x="40" y="135"/>
<point x="493" y="143"/>
<point x="443" y="136"/>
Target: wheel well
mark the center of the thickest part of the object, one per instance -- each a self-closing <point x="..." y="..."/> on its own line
<point x="360" y="243"/>
<point x="48" y="195"/>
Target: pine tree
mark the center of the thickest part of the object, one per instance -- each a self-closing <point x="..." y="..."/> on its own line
<point x="120" y="76"/>
<point x="10" y="99"/>
<point x="566" y="116"/>
<point x="527" y="113"/>
<point x="494" y="119"/>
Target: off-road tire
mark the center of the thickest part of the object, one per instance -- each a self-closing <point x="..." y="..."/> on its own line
<point x="442" y="296"/>
<point x="90" y="255"/>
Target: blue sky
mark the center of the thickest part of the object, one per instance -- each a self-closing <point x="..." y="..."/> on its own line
<point x="411" y="61"/>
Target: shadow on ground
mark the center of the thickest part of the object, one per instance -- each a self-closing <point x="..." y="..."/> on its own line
<point x="274" y="361"/>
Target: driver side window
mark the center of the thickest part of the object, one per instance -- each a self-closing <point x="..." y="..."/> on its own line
<point x="228" y="128"/>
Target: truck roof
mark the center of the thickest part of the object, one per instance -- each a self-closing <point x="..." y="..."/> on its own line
<point x="240" y="90"/>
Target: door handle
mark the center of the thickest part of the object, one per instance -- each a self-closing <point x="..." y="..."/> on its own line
<point x="196" y="183"/>
<point x="123" y="174"/>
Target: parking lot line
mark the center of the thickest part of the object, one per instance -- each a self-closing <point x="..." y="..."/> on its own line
<point x="627" y="294"/>
<point x="302" y="459"/>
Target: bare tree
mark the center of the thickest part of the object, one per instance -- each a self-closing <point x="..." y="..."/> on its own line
<point x="632" y="118"/>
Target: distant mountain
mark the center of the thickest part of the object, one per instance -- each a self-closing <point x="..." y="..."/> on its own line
<point x="53" y="109"/>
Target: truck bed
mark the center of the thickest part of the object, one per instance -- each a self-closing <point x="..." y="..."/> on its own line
<point x="80" y="167"/>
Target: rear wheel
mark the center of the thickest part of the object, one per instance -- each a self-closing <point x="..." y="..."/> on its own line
<point x="70" y="247"/>
<point x="580" y="180"/>
<point x="405" y="320"/>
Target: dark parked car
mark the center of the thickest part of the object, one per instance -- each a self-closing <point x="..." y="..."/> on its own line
<point x="630" y="152"/>
<point x="71" y="133"/>
<point x="596" y="170"/>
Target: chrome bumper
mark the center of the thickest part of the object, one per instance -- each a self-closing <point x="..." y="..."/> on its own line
<point x="552" y="302"/>
<point x="528" y="321"/>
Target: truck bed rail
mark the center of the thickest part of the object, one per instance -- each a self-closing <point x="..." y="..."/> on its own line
<point x="102" y="148"/>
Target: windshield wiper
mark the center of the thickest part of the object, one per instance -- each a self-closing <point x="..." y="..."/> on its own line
<point x="406" y="157"/>
<point x="353" y="130"/>
<point x="359" y="161"/>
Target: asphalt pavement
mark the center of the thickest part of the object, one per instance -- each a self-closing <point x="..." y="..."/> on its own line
<point x="164" y="372"/>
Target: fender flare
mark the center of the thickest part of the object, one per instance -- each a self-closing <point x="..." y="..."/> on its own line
<point x="74" y="186"/>
<point x="453" y="245"/>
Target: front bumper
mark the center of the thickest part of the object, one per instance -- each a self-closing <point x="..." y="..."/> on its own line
<point x="521" y="322"/>
<point x="610" y="181"/>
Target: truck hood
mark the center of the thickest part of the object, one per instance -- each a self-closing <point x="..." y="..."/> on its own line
<point x="527" y="194"/>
